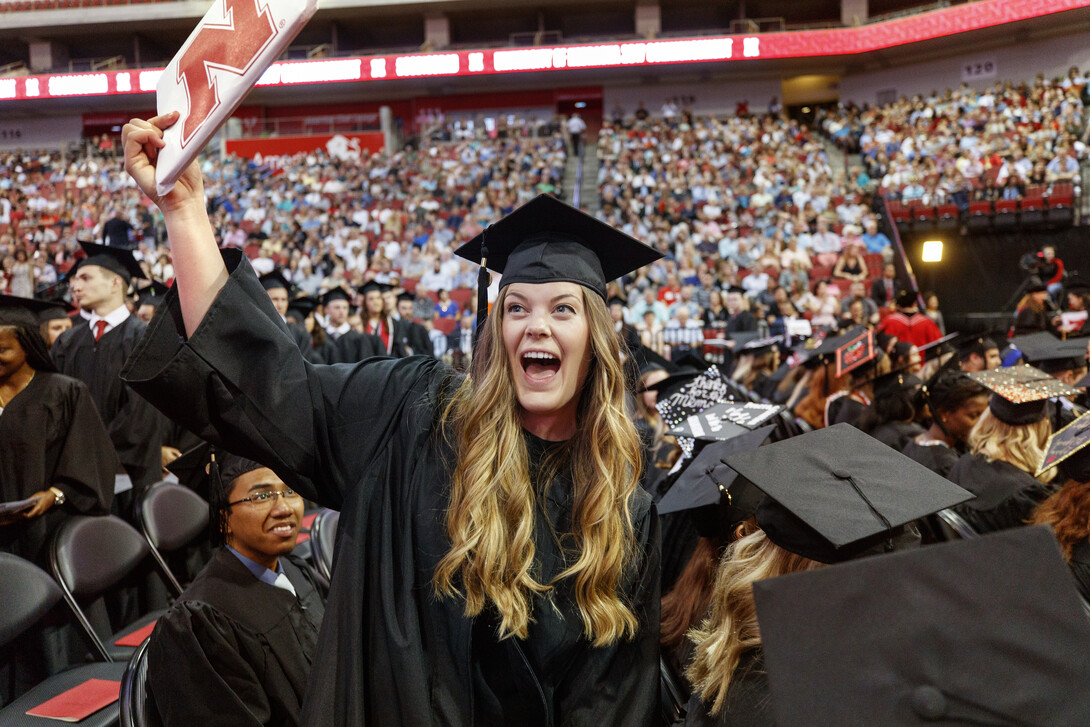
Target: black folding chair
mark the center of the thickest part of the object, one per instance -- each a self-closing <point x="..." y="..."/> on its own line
<point x="137" y="709"/>
<point x="29" y="594"/>
<point x="672" y="695"/>
<point x="323" y="539"/>
<point x="171" y="517"/>
<point x="89" y="556"/>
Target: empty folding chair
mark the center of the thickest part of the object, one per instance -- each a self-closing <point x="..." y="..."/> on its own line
<point x="171" y="517"/>
<point x="29" y="594"/>
<point x="90" y="556"/>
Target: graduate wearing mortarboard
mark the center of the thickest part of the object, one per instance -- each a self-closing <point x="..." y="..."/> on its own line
<point x="94" y="351"/>
<point x="497" y="560"/>
<point x="279" y="290"/>
<point x="237" y="645"/>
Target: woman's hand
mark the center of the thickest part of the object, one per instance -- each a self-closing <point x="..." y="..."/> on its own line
<point x="168" y="455"/>
<point x="46" y="500"/>
<point x="141" y="141"/>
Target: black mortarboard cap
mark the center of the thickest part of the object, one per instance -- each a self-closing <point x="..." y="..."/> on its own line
<point x="673" y="383"/>
<point x="210" y="472"/>
<point x="938" y="343"/>
<point x="191" y="467"/>
<point x="830" y="344"/>
<point x="371" y="285"/>
<point x="1036" y="285"/>
<point x="979" y="345"/>
<point x="406" y="295"/>
<point x="274" y="281"/>
<point x="894" y="382"/>
<point x="303" y="306"/>
<point x="760" y="346"/>
<point x="649" y="360"/>
<point x="152" y="294"/>
<point x="907" y="298"/>
<point x="1051" y="354"/>
<point x="115" y="259"/>
<point x="333" y="294"/>
<point x="546" y="240"/>
<point x="836" y="492"/>
<point x="1067" y="449"/>
<point x="616" y="300"/>
<point x="1020" y="394"/>
<point x="725" y="420"/>
<point x="15" y="310"/>
<point x="987" y="631"/>
<point x="708" y="480"/>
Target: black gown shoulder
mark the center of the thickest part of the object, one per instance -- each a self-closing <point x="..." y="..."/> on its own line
<point x="748" y="702"/>
<point x="896" y="434"/>
<point x="936" y="457"/>
<point x="1005" y="495"/>
<point x="1080" y="567"/>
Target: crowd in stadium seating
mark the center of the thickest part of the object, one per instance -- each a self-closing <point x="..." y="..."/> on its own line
<point x="747" y="203"/>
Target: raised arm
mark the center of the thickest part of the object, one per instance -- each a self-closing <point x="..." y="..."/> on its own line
<point x="198" y="268"/>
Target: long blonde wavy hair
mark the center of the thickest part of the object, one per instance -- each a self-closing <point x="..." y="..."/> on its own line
<point x="730" y="628"/>
<point x="1020" y="445"/>
<point x="493" y="503"/>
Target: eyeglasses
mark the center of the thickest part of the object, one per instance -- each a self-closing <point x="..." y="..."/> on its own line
<point x="266" y="499"/>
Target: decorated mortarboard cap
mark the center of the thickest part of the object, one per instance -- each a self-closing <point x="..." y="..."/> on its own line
<point x="830" y="344"/>
<point x="708" y="482"/>
<point x="725" y="420"/>
<point x="115" y="259"/>
<point x="987" y="631"/>
<point x="1067" y="449"/>
<point x="274" y="281"/>
<point x="835" y="493"/>
<point x="546" y="240"/>
<point x="333" y="294"/>
<point x="15" y="310"/>
<point x="1020" y="394"/>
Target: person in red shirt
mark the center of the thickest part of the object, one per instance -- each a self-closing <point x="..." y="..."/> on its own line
<point x="907" y="323"/>
<point x="671" y="292"/>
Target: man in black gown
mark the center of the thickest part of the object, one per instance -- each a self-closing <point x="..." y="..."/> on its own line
<point x="236" y="647"/>
<point x="343" y="344"/>
<point x="279" y="291"/>
<point x="413" y="338"/>
<point x="94" y="353"/>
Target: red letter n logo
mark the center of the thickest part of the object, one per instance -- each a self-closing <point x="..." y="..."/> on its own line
<point x="231" y="47"/>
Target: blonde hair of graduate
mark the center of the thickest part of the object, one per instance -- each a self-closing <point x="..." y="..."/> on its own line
<point x="730" y="628"/>
<point x="493" y="504"/>
<point x="1021" y="445"/>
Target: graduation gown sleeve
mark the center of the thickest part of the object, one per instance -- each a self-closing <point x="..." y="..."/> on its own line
<point x="241" y="382"/>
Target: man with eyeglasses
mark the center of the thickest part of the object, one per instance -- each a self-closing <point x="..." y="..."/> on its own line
<point x="237" y="645"/>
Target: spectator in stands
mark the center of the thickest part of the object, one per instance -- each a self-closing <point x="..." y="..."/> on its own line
<point x="460" y="340"/>
<point x="117" y="231"/>
<point x="445" y="307"/>
<point x="823" y="305"/>
<point x="739" y="318"/>
<point x="876" y="242"/>
<point x="857" y="292"/>
<point x="649" y="303"/>
<point x="715" y="313"/>
<point x="237" y="645"/>
<point x="883" y="291"/>
<point x="850" y="265"/>
<point x="576" y="128"/>
<point x="932" y="310"/>
<point x="824" y="244"/>
<point x="1064" y="167"/>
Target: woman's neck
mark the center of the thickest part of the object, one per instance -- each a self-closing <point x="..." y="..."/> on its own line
<point x="16" y="381"/>
<point x="553" y="427"/>
<point x="936" y="434"/>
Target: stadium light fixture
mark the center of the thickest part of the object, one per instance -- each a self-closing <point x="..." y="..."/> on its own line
<point x="932" y="251"/>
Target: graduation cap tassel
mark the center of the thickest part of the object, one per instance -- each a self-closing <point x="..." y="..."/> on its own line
<point x="483" y="280"/>
<point x="877" y="513"/>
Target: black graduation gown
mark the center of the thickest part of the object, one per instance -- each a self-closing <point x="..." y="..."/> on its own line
<point x="1005" y="495"/>
<point x="748" y="703"/>
<point x="353" y="347"/>
<point x="938" y="457"/>
<point x="364" y="440"/>
<point x="52" y="436"/>
<point x="132" y="423"/>
<point x="1080" y="567"/>
<point x="302" y="340"/>
<point x="413" y="339"/>
<point x="234" y="650"/>
<point x="896" y="434"/>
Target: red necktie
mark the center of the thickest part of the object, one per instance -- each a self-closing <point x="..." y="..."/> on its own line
<point x="100" y="328"/>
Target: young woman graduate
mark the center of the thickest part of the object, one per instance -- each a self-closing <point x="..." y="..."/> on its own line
<point x="497" y="561"/>
<point x="54" y="446"/>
